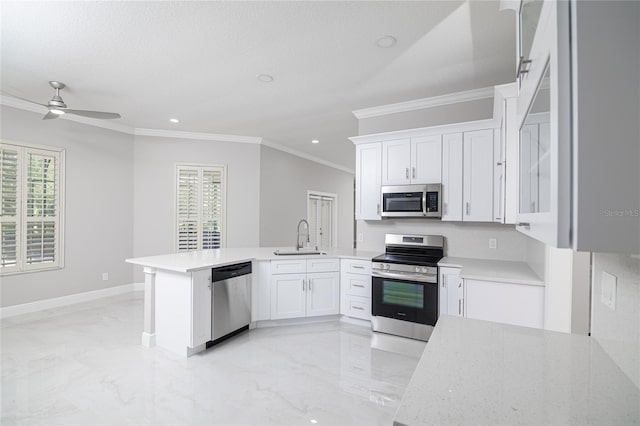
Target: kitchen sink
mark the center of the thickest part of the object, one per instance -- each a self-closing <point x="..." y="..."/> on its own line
<point x="299" y="252"/>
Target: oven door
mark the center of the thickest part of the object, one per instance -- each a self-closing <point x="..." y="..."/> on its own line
<point x="405" y="299"/>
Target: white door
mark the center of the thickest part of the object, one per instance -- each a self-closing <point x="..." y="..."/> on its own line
<point x="478" y="176"/>
<point x="287" y="296"/>
<point x="368" y="181"/>
<point x="200" y="308"/>
<point x="321" y="210"/>
<point x="323" y="294"/>
<point x="452" y="177"/>
<point x="426" y="159"/>
<point x="396" y="162"/>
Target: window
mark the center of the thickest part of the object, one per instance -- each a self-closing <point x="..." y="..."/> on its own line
<point x="31" y="213"/>
<point x="200" y="207"/>
<point x="321" y="214"/>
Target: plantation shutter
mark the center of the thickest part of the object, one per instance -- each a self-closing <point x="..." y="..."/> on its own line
<point x="313" y="230"/>
<point x="40" y="203"/>
<point x="200" y="207"/>
<point x="320" y="218"/>
<point x="325" y="225"/>
<point x="9" y="209"/>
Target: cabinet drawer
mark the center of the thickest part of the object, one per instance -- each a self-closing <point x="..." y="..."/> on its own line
<point x="357" y="307"/>
<point x="296" y="266"/>
<point x="323" y="265"/>
<point x="356" y="284"/>
<point x="356" y="266"/>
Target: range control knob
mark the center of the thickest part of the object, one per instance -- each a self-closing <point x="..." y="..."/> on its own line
<point x="387" y="266"/>
<point x="418" y="269"/>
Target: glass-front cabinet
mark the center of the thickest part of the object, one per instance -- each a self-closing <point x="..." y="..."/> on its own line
<point x="543" y="117"/>
<point x="528" y="18"/>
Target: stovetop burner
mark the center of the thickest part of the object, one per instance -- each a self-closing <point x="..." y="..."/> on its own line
<point x="408" y="260"/>
<point x="419" y="250"/>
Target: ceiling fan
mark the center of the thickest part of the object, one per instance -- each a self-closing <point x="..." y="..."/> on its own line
<point x="57" y="107"/>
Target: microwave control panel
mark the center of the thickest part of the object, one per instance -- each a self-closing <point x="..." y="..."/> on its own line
<point x="432" y="201"/>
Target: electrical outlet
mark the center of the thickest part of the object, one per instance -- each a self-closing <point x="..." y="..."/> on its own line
<point x="361" y="237"/>
<point x="105" y="276"/>
<point x="608" y="294"/>
<point x="493" y="243"/>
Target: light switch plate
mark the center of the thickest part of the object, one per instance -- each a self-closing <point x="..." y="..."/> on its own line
<point x="609" y="287"/>
<point x="493" y="243"/>
<point x="105" y="276"/>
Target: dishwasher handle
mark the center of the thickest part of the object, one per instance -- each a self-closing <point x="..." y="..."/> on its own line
<point x="230" y="271"/>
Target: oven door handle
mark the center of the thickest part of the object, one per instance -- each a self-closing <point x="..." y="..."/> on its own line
<point x="429" y="279"/>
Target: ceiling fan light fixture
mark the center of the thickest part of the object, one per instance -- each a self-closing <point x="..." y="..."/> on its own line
<point x="56" y="111"/>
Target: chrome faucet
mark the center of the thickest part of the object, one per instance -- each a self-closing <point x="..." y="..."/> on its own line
<point x="298" y="245"/>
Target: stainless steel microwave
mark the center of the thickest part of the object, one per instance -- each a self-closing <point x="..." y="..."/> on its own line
<point x="411" y="201"/>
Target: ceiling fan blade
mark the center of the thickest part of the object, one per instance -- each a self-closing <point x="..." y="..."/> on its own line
<point x="22" y="99"/>
<point x="50" y="115"/>
<point x="92" y="114"/>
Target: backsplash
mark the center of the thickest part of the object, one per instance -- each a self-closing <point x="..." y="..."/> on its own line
<point x="461" y="239"/>
<point x="618" y="331"/>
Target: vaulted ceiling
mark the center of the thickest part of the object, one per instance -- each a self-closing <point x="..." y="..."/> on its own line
<point x="198" y="61"/>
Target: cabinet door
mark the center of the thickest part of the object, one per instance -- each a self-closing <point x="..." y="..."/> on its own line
<point x="507" y="303"/>
<point x="450" y="295"/>
<point x="426" y="159"/>
<point x="323" y="294"/>
<point x="287" y="296"/>
<point x="452" y="177"/>
<point x="396" y="162"/>
<point x="478" y="176"/>
<point x="368" y="181"/>
<point x="498" y="177"/>
<point x="200" y="308"/>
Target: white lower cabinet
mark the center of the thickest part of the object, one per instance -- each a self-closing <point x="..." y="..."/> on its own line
<point x="200" y="308"/>
<point x="355" y="288"/>
<point x="507" y="303"/>
<point x="451" y="293"/>
<point x="296" y="295"/>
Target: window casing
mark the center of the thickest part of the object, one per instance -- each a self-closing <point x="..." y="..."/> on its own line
<point x="200" y="207"/>
<point x="31" y="208"/>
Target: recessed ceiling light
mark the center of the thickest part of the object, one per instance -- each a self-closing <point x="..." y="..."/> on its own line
<point x="386" y="41"/>
<point x="265" y="78"/>
<point x="174" y="120"/>
<point x="315" y="141"/>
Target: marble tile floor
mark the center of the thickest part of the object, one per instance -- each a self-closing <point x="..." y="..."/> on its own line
<point x="83" y="365"/>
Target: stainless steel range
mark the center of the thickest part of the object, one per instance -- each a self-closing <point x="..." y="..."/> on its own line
<point x="405" y="285"/>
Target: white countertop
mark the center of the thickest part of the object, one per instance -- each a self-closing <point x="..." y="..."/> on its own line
<point x="485" y="373"/>
<point x="203" y="259"/>
<point x="493" y="270"/>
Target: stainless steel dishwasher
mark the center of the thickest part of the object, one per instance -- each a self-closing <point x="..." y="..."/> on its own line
<point x="231" y="301"/>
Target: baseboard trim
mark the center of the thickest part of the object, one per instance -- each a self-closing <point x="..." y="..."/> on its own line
<point x="41" y="305"/>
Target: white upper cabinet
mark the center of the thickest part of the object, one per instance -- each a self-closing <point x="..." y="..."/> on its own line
<point x="396" y="162"/>
<point x="368" y="181"/>
<point x="412" y="161"/>
<point x="452" y="177"/>
<point x="426" y="159"/>
<point x="478" y="176"/>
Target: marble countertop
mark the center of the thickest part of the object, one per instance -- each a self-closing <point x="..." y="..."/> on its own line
<point x="493" y="270"/>
<point x="485" y="373"/>
<point x="203" y="259"/>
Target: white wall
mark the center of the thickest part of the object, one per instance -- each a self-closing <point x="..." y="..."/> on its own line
<point x="446" y="114"/>
<point x="618" y="332"/>
<point x="154" y="191"/>
<point x="462" y="239"/>
<point x="98" y="209"/>
<point x="284" y="182"/>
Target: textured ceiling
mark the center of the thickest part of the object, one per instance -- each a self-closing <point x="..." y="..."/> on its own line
<point x="198" y="61"/>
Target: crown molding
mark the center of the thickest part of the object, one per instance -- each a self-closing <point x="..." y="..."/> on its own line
<point x="434" y="101"/>
<point x="306" y="156"/>
<point x="199" y="136"/>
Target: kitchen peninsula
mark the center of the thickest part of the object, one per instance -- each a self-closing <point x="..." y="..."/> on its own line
<point x="183" y="281"/>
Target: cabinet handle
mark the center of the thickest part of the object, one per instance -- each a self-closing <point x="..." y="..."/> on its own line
<point x="468" y="208"/>
<point x="444" y="281"/>
<point x="310" y="285"/>
<point x="499" y="163"/>
<point x="378" y="210"/>
<point x="358" y="308"/>
<point x="413" y="172"/>
<point x="406" y="172"/>
<point x="358" y="285"/>
<point x="460" y="307"/>
<point x="304" y="285"/>
<point x="521" y="66"/>
<point x="524" y="224"/>
<point x="357" y="267"/>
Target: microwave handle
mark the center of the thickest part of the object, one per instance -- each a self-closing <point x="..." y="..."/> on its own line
<point x="424" y="202"/>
